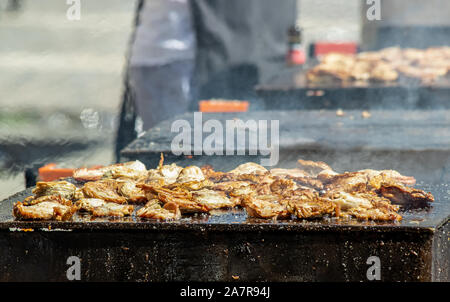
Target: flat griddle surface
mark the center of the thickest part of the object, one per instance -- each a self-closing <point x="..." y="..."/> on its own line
<point x="416" y="220"/>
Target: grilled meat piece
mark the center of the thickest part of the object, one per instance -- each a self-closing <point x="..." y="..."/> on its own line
<point x="153" y="210"/>
<point x="366" y="205"/>
<point x="405" y="196"/>
<point x="168" y="174"/>
<point x="105" y="189"/>
<point x="132" y="170"/>
<point x="308" y="204"/>
<point x="190" y="173"/>
<point x="45" y="208"/>
<point x="309" y="182"/>
<point x="57" y="188"/>
<point x="348" y="182"/>
<point x="248" y="168"/>
<point x="390" y="174"/>
<point x="213" y="199"/>
<point x="32" y="200"/>
<point x="385" y="65"/>
<point x="191" y="185"/>
<point x="128" y="189"/>
<point x="183" y="198"/>
<point x="277" y="186"/>
<point x="212" y="175"/>
<point x="363" y="180"/>
<point x="229" y="186"/>
<point x="265" y="206"/>
<point x="99" y="207"/>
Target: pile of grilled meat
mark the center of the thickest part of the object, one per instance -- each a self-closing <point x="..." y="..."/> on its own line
<point x="312" y="190"/>
<point x="385" y="65"/>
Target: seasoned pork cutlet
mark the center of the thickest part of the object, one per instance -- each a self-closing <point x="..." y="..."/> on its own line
<point x="105" y="189"/>
<point x="45" y="208"/>
<point x="154" y="210"/>
<point x="99" y="207"/>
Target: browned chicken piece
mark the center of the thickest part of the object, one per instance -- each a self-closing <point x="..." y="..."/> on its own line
<point x="58" y="188"/>
<point x="45" y="208"/>
<point x="365" y="205"/>
<point x="32" y="200"/>
<point x="253" y="178"/>
<point x="363" y="180"/>
<point x="153" y="210"/>
<point x="132" y="170"/>
<point x="348" y="182"/>
<point x="312" y="168"/>
<point x="168" y="174"/>
<point x="213" y="199"/>
<point x="186" y="204"/>
<point x="128" y="189"/>
<point x="249" y="168"/>
<point x="190" y="173"/>
<point x="238" y="194"/>
<point x="84" y="174"/>
<point x="384" y="65"/>
<point x="278" y="186"/>
<point x="229" y="186"/>
<point x="212" y="175"/>
<point x="309" y="182"/>
<point x="105" y="189"/>
<point x="327" y="75"/>
<point x="333" y="68"/>
<point x="99" y="207"/>
<point x="390" y="174"/>
<point x="181" y="197"/>
<point x="265" y="206"/>
<point x="308" y="204"/>
<point x="405" y="196"/>
<point x="191" y="185"/>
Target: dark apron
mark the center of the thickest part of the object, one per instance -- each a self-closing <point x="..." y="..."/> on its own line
<point x="239" y="43"/>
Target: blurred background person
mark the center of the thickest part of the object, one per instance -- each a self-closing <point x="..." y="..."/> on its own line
<point x="184" y="51"/>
